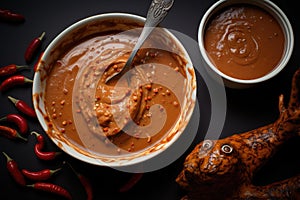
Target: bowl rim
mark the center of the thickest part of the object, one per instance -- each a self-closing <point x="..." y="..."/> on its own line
<point x="71" y="151"/>
<point x="275" y="12"/>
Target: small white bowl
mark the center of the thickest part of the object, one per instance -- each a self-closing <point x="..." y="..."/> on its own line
<point x="266" y="5"/>
<point x="69" y="36"/>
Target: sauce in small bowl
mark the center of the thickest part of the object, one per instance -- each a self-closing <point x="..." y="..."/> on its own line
<point x="245" y="42"/>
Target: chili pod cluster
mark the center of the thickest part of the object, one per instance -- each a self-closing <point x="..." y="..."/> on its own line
<point x="10" y="78"/>
<point x="38" y="148"/>
<point x="23" y="107"/>
<point x="13" y="81"/>
<point x="36" y="176"/>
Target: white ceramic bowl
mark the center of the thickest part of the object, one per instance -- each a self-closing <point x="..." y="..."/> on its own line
<point x="91" y="26"/>
<point x="266" y="5"/>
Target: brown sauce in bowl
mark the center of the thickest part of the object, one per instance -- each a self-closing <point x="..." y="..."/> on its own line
<point x="244" y="41"/>
<point x="120" y="116"/>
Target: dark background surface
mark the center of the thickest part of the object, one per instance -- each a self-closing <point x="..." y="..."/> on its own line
<point x="247" y="109"/>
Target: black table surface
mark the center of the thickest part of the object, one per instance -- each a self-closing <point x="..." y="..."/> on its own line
<point x="246" y="109"/>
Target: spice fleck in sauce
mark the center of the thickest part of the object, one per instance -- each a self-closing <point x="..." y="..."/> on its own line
<point x="244" y="41"/>
<point x="96" y="114"/>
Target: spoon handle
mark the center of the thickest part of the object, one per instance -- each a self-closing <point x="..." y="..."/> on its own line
<point x="156" y="13"/>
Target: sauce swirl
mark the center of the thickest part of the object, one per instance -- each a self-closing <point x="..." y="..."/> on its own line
<point x="244" y="41"/>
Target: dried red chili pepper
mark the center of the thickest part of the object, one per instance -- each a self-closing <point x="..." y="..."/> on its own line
<point x="87" y="186"/>
<point x="23" y="107"/>
<point x="50" y="155"/>
<point x="33" y="47"/>
<point x="135" y="178"/>
<point x="18" y="120"/>
<point x="11" y="69"/>
<point x="10" y="133"/>
<point x="13" y="168"/>
<point x="40" y="139"/>
<point x="40" y="175"/>
<point x="13" y="81"/>
<point x="11" y="16"/>
<point x="85" y="183"/>
<point x="52" y="188"/>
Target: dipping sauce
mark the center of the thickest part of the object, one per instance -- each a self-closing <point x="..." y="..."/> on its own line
<point x="244" y="41"/>
<point x="125" y="114"/>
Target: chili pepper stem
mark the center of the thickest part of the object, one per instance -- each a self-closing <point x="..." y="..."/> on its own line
<point x="42" y="36"/>
<point x="27" y="80"/>
<point x="57" y="153"/>
<point x="20" y="137"/>
<point x="7" y="157"/>
<point x="53" y="171"/>
<point x="19" y="67"/>
<point x="66" y="163"/>
<point x="35" y="133"/>
<point x="77" y="174"/>
<point x="13" y="100"/>
<point x="30" y="185"/>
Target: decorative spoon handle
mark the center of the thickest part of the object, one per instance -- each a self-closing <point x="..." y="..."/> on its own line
<point x="156" y="13"/>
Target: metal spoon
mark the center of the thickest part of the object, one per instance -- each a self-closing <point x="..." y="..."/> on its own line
<point x="156" y="13"/>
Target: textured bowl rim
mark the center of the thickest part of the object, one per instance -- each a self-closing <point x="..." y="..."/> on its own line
<point x="69" y="150"/>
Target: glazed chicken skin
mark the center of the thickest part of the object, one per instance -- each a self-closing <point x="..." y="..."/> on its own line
<point x="224" y="169"/>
